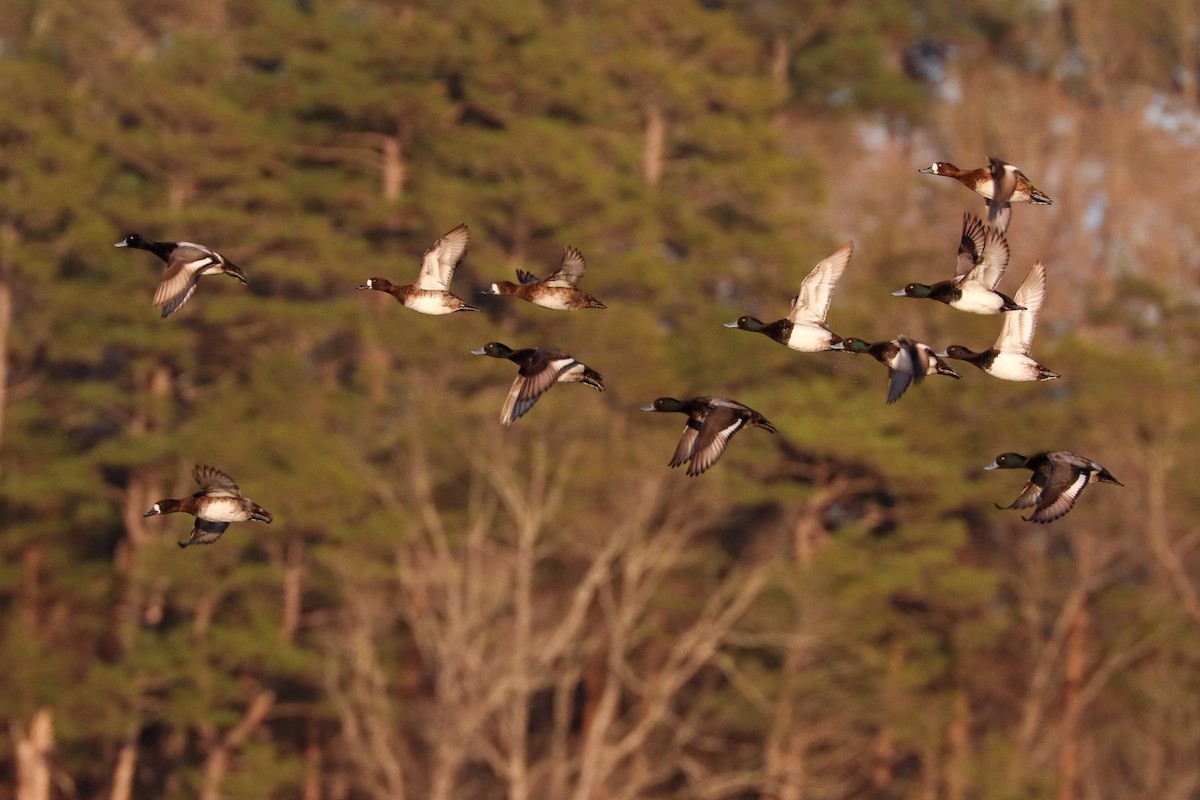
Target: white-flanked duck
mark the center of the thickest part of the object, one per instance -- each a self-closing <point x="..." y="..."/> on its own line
<point x="185" y="262"/>
<point x="711" y="423"/>
<point x="540" y="368"/>
<point x="1059" y="477"/>
<point x="804" y="329"/>
<point x="975" y="290"/>
<point x="908" y="361"/>
<point x="1009" y="359"/>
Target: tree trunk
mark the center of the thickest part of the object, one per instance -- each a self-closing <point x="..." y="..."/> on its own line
<point x="1076" y="660"/>
<point x="312" y="764"/>
<point x="395" y="170"/>
<point x="958" y="743"/>
<point x="518" y="720"/>
<point x="180" y="189"/>
<point x="885" y="745"/>
<point x="33" y="756"/>
<point x="31" y="565"/>
<point x="655" y="145"/>
<point x="293" y="577"/>
<point x="5" y="322"/>
<point x="122" y="782"/>
<point x="781" y="63"/>
<point x="1159" y="459"/>
<point x="217" y="763"/>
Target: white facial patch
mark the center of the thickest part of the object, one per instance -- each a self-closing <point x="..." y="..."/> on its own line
<point x="495" y="289"/>
<point x="155" y="508"/>
<point x="370" y="284"/>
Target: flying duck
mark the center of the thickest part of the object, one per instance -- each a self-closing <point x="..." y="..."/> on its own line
<point x="712" y="422"/>
<point x="975" y="290"/>
<point x="804" y="328"/>
<point x="1059" y="477"/>
<point x="982" y="181"/>
<point x="1009" y="358"/>
<point x="218" y="503"/>
<point x="907" y="361"/>
<point x="559" y="291"/>
<point x="540" y="368"/>
<point x="431" y="293"/>
<point x="186" y="262"/>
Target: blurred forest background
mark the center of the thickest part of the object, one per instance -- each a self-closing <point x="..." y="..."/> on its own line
<point x="446" y="609"/>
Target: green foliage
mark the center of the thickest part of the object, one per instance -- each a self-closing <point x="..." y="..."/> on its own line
<point x="318" y="144"/>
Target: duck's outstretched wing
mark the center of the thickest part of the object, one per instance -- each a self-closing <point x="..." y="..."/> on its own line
<point x="537" y="374"/>
<point x="1016" y="333"/>
<point x="569" y="271"/>
<point x="439" y="262"/>
<point x="205" y="532"/>
<point x="185" y="265"/>
<point x="812" y="303"/>
<point x="719" y="427"/>
<point x="215" y="483"/>
<point x="970" y="245"/>
<point x="993" y="262"/>
<point x="1029" y="496"/>
<point x="687" y="444"/>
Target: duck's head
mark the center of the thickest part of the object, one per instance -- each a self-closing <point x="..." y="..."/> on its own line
<point x="957" y="351"/>
<point x="914" y="290"/>
<point x="938" y="168"/>
<point x="746" y="324"/>
<point x="162" y="507"/>
<point x="382" y="284"/>
<point x="1007" y="461"/>
<point x="133" y="240"/>
<point x="665" y="404"/>
<point x="493" y="349"/>
<point x="852" y="345"/>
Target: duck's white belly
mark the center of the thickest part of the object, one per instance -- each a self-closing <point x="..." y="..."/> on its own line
<point x="429" y="303"/>
<point x="224" y="509"/>
<point x="556" y="300"/>
<point x="978" y="300"/>
<point x="809" y="338"/>
<point x="1014" y="367"/>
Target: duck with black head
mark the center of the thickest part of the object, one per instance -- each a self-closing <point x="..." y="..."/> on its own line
<point x="711" y="424"/>
<point x="186" y="263"/>
<point x="540" y="369"/>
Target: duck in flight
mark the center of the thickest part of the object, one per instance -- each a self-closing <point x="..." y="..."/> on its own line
<point x="560" y="291"/>
<point x="540" y="369"/>
<point x="972" y="290"/>
<point x="431" y="293"/>
<point x="908" y="361"/>
<point x="218" y="503"/>
<point x="1059" y="477"/>
<point x="185" y="262"/>
<point x="804" y="329"/>
<point x="711" y="423"/>
<point x="1009" y="359"/>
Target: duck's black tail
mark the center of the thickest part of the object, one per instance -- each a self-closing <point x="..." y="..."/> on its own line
<point x="235" y="271"/>
<point x="592" y="378"/>
<point x="764" y="423"/>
